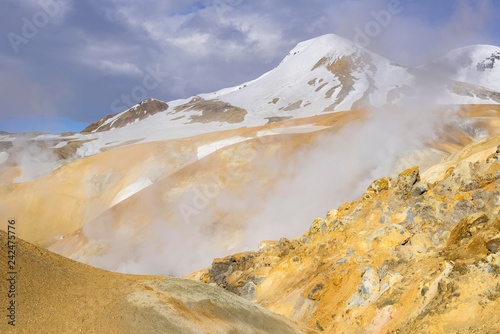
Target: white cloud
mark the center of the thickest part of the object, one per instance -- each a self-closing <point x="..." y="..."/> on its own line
<point x="115" y="67"/>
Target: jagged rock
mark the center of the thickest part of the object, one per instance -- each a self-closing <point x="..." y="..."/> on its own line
<point x="420" y="188"/>
<point x="284" y="247"/>
<point x="315" y="293"/>
<point x="380" y="185"/>
<point x="318" y="226"/>
<point x="221" y="269"/>
<point x="406" y="181"/>
<point x="472" y="176"/>
<point x="331" y="216"/>
<point x="493" y="246"/>
<point x="467" y="228"/>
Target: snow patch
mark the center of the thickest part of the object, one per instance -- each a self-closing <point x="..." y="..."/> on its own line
<point x="4" y="156"/>
<point x="60" y="145"/>
<point x="291" y="129"/>
<point x="207" y="149"/>
<point x="131" y="190"/>
<point x="90" y="148"/>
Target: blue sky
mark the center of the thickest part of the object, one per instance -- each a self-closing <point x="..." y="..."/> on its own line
<point x="67" y="63"/>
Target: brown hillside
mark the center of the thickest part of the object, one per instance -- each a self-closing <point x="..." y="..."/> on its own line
<point x="57" y="295"/>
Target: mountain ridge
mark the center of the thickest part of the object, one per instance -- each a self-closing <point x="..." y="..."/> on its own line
<point x="477" y="64"/>
<point x="324" y="74"/>
<point x="140" y="111"/>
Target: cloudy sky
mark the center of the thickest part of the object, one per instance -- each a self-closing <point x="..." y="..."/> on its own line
<point x="67" y="63"/>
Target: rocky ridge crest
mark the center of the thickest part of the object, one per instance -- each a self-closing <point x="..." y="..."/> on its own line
<point x="138" y="112"/>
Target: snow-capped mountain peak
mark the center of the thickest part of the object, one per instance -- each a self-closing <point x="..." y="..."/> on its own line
<point x="332" y="46"/>
<point x="324" y="74"/>
<point x="475" y="64"/>
<point x="327" y="73"/>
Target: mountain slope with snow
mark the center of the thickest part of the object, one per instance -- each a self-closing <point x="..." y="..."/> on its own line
<point x="477" y="65"/>
<point x="324" y="74"/>
<point x="330" y="73"/>
<point x="327" y="73"/>
<point x="137" y="113"/>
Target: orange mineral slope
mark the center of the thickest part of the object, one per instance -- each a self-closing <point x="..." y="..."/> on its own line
<point x="62" y="202"/>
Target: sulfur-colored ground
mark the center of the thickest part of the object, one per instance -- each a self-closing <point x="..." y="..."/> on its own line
<point x="412" y="255"/>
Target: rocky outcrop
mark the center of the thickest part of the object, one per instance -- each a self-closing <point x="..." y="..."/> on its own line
<point x="276" y="119"/>
<point x="410" y="256"/>
<point x="139" y="112"/>
<point x="466" y="89"/>
<point x="212" y="111"/>
<point x="488" y="63"/>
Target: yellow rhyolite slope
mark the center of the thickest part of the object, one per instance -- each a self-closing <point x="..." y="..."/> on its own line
<point x="410" y="256"/>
